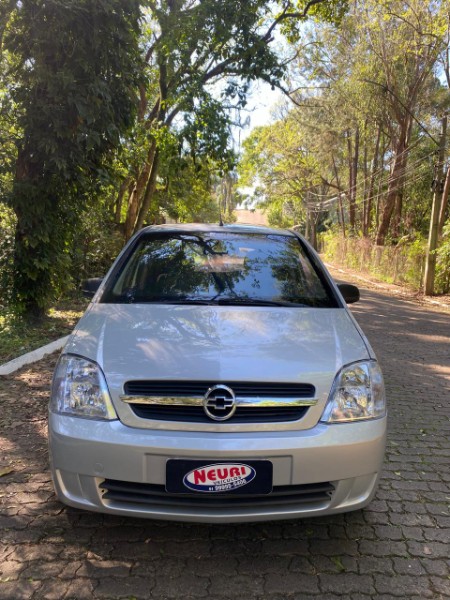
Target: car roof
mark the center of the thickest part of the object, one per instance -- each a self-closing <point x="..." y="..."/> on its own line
<point x="208" y="227"/>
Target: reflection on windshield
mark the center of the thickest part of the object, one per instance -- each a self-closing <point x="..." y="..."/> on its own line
<point x="218" y="268"/>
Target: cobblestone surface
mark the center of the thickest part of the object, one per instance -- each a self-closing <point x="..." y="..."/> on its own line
<point x="398" y="547"/>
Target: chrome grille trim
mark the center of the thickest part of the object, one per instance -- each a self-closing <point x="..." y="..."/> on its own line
<point x="162" y="400"/>
<point x="255" y="402"/>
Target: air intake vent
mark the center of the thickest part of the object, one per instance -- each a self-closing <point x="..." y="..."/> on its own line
<point x="199" y="389"/>
<point x="156" y="495"/>
<point x="196" y="414"/>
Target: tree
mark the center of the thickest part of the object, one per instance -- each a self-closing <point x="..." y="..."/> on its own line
<point x="77" y="68"/>
<point x="361" y="94"/>
<point x="196" y="49"/>
<point x="407" y="40"/>
<point x="74" y="72"/>
<point x="282" y="169"/>
<point x="186" y="185"/>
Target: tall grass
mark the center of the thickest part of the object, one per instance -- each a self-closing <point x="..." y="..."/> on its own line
<point x="402" y="264"/>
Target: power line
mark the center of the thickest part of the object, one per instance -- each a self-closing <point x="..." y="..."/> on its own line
<point x="322" y="207"/>
<point x="388" y="179"/>
<point x="383" y="168"/>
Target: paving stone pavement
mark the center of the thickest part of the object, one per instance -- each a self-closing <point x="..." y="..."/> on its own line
<point x="398" y="547"/>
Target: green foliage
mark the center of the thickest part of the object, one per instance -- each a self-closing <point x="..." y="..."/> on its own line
<point x="76" y="68"/>
<point x="330" y="11"/>
<point x="414" y="253"/>
<point x="7" y="229"/>
<point x="189" y="198"/>
<point x="356" y="146"/>
<point x="443" y="262"/>
<point x="204" y="56"/>
<point x="187" y="192"/>
<point x="69" y="79"/>
<point x="277" y="217"/>
<point x="8" y="150"/>
<point x="97" y="242"/>
<point x="276" y="160"/>
<point x="206" y="132"/>
<point x="17" y="337"/>
<point x="41" y="246"/>
<point x="402" y="263"/>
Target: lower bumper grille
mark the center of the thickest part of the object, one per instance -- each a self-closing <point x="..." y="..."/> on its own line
<point x="150" y="494"/>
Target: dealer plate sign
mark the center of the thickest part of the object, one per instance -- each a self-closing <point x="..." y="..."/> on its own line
<point x="211" y="477"/>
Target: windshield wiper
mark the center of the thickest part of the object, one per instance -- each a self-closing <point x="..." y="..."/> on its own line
<point x="255" y="302"/>
<point x="186" y="301"/>
<point x="192" y="300"/>
<point x="171" y="300"/>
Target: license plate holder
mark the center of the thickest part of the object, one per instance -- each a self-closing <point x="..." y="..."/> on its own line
<point x="218" y="477"/>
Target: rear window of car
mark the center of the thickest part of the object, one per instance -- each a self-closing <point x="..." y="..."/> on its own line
<point x="219" y="268"/>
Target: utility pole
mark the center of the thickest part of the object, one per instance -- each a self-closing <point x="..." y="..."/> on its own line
<point x="430" y="261"/>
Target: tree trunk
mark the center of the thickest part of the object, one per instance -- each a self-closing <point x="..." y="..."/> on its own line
<point x="396" y="180"/>
<point x="369" y="199"/>
<point x="433" y="237"/>
<point x="397" y="215"/>
<point x="40" y="239"/>
<point x="378" y="207"/>
<point x="307" y="219"/>
<point x="119" y="199"/>
<point x="366" y="177"/>
<point x="314" y="221"/>
<point x="141" y="197"/>
<point x="137" y="195"/>
<point x="351" y="206"/>
<point x="149" y="191"/>
<point x="444" y="203"/>
<point x="353" y="175"/>
<point x="341" y="208"/>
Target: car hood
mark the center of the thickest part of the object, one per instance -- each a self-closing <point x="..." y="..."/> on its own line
<point x="217" y="343"/>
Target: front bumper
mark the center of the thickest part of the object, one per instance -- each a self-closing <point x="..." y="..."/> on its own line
<point x="84" y="453"/>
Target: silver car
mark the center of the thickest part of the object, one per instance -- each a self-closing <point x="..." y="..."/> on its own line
<point x="217" y="376"/>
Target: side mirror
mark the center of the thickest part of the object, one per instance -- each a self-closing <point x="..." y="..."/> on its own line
<point x="349" y="292"/>
<point x="90" y="286"/>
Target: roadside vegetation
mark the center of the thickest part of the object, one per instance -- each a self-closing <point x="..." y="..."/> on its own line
<point x="359" y="158"/>
<point x="116" y="115"/>
<point x="401" y="263"/>
<point x="18" y="336"/>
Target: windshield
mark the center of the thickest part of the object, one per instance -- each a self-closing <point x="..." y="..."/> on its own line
<point x="218" y="268"/>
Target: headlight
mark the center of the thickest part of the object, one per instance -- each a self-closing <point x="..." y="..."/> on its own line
<point x="79" y="389"/>
<point x="357" y="394"/>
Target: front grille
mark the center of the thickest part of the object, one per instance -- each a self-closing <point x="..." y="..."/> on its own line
<point x="156" y="495"/>
<point x="199" y="388"/>
<point x="256" y="402"/>
<point x="196" y="414"/>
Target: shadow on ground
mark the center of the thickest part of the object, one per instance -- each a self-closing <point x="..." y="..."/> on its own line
<point x="397" y="547"/>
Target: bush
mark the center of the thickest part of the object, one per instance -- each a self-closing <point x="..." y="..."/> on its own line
<point x="97" y="243"/>
<point x="7" y="232"/>
<point x="92" y="250"/>
<point x="443" y="263"/>
<point x="402" y="263"/>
